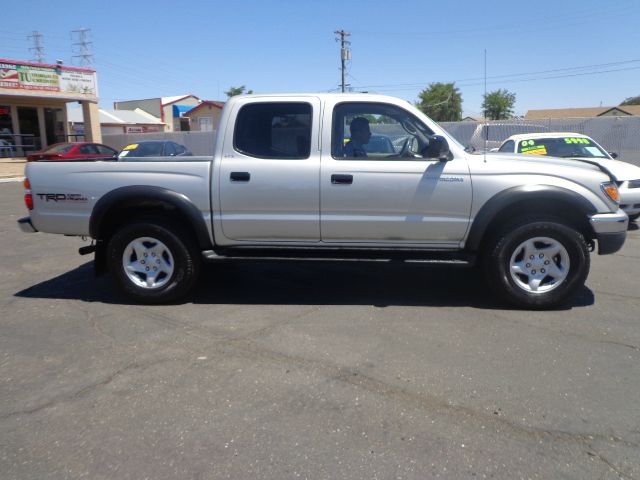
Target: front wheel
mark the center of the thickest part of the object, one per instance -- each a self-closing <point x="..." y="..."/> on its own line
<point x="537" y="264"/>
<point x="152" y="263"/>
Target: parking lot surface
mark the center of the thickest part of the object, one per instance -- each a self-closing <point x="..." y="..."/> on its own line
<point x="289" y="370"/>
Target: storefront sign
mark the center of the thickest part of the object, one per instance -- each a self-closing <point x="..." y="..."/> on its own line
<point x="23" y="76"/>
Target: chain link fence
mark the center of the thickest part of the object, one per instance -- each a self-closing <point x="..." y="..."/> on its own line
<point x="615" y="134"/>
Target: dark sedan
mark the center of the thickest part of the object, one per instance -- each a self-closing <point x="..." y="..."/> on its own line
<point x="155" y="148"/>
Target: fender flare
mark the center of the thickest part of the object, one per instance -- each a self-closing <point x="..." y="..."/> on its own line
<point x="141" y="195"/>
<point x="510" y="196"/>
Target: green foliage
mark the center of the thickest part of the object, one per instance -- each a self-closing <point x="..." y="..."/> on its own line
<point x="498" y="105"/>
<point x="631" y="101"/>
<point x="441" y="101"/>
<point x="233" y="91"/>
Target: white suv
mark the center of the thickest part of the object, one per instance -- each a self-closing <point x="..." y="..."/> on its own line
<point x="582" y="147"/>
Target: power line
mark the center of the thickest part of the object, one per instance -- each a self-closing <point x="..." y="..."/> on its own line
<point x="512" y="77"/>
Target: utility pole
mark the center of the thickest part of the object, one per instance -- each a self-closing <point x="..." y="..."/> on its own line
<point x="345" y="52"/>
<point x="38" y="47"/>
<point x="83" y="46"/>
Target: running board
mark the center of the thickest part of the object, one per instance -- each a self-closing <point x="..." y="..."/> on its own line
<point x="344" y="255"/>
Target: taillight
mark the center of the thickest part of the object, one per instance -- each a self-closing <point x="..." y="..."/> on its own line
<point x="28" y="198"/>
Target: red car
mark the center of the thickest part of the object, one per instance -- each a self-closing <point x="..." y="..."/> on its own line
<point x="74" y="151"/>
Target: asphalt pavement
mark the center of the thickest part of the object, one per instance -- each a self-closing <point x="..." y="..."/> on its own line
<point x="287" y="370"/>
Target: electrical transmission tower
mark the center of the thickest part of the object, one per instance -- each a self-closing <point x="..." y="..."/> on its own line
<point x="38" y="47"/>
<point x="345" y="52"/>
<point x="82" y="47"/>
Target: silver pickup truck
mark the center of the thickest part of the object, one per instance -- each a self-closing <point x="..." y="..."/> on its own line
<point x="333" y="176"/>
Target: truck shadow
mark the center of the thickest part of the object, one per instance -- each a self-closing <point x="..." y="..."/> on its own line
<point x="306" y="283"/>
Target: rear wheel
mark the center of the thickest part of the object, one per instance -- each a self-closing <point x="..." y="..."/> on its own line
<point x="151" y="263"/>
<point x="537" y="264"/>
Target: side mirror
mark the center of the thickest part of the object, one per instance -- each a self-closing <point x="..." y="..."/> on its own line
<point x="613" y="154"/>
<point x="437" y="148"/>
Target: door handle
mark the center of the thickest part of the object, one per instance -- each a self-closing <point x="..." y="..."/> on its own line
<point x="338" y="179"/>
<point x="240" y="176"/>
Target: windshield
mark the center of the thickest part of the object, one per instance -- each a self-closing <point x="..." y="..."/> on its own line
<point x="59" y="148"/>
<point x="562" y="147"/>
<point x="147" y="149"/>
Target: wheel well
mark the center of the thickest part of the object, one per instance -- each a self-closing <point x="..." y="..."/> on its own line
<point x="121" y="214"/>
<point x="565" y="211"/>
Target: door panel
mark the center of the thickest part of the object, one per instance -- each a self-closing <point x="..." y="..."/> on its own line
<point x="272" y="199"/>
<point x="395" y="201"/>
<point x="380" y="184"/>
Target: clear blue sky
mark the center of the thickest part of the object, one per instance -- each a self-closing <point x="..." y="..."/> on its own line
<point x="145" y="49"/>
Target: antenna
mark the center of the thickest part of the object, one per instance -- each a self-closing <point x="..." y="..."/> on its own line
<point x="38" y="47"/>
<point x="83" y="46"/>
<point x="345" y="52"/>
<point x="486" y="124"/>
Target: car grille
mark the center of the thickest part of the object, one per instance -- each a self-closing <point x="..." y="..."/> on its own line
<point x="634" y="183"/>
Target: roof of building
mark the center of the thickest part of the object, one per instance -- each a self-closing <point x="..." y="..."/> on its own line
<point x="210" y="103"/>
<point x="174" y="99"/>
<point x="118" y="117"/>
<point x="632" y="109"/>
<point x="582" y="112"/>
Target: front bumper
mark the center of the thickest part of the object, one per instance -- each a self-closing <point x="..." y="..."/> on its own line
<point x="26" y="226"/>
<point x="610" y="230"/>
<point x="630" y="197"/>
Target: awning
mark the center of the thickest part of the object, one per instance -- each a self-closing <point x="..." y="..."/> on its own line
<point x="180" y="110"/>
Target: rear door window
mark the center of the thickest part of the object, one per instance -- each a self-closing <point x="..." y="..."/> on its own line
<point x="89" y="150"/>
<point x="278" y="130"/>
<point x="169" y="149"/>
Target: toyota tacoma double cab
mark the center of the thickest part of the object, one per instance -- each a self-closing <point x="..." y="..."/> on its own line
<point x="291" y="176"/>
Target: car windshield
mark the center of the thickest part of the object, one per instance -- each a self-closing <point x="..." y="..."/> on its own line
<point x="151" y="149"/>
<point x="562" y="147"/>
<point x="59" y="148"/>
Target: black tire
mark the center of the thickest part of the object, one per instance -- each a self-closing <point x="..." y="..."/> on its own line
<point x="634" y="217"/>
<point x="179" y="255"/>
<point x="497" y="263"/>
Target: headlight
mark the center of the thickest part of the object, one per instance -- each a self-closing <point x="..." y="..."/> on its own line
<point x="611" y="190"/>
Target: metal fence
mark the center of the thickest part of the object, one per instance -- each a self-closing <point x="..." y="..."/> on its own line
<point x="615" y="134"/>
<point x="200" y="143"/>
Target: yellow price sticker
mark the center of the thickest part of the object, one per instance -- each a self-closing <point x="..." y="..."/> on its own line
<point x="577" y="140"/>
<point x="133" y="146"/>
<point x="535" y="150"/>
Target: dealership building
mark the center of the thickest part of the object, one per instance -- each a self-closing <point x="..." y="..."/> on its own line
<point x="33" y="101"/>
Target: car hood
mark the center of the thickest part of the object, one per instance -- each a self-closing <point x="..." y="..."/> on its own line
<point x="622" y="171"/>
<point x="524" y="162"/>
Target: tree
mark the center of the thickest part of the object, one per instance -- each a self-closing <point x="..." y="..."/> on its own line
<point x="631" y="101"/>
<point x="441" y="101"/>
<point x="233" y="91"/>
<point x="498" y="105"/>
